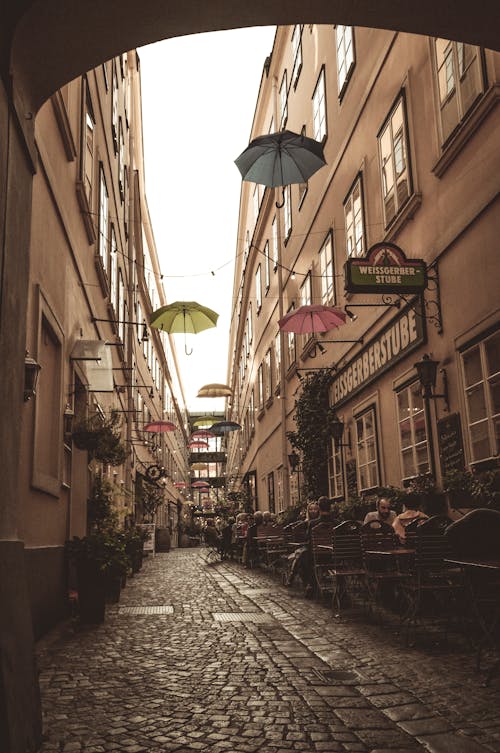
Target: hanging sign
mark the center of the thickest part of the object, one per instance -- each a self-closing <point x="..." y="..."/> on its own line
<point x="385" y="269"/>
<point x="402" y="335"/>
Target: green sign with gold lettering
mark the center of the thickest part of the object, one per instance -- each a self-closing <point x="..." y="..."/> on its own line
<point x="385" y="269"/>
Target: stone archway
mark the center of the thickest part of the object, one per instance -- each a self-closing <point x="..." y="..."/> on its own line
<point x="44" y="44"/>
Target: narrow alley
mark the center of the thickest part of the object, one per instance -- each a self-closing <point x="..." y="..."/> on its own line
<point x="220" y="658"/>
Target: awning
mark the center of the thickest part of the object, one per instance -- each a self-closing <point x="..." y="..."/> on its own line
<point x="96" y="364"/>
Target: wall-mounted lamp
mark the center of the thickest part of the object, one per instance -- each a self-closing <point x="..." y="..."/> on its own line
<point x="294" y="460"/>
<point x="337" y="427"/>
<point x="68" y="417"/>
<point x="31" y="371"/>
<point x="427" y="373"/>
<point x="352" y="316"/>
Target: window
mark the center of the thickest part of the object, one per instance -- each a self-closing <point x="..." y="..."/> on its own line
<point x="46" y="456"/>
<point x="250" y="323"/>
<point x="114" y="109"/>
<point x="102" y="243"/>
<point x="354" y="224"/>
<point x="121" y="161"/>
<point x="481" y="370"/>
<point x="412" y="431"/>
<point x="306" y="300"/>
<point x="458" y="69"/>
<point x="335" y="470"/>
<point x="267" y="267"/>
<point x="319" y="108"/>
<point x="120" y="303"/>
<point x="297" y="53"/>
<point x="268" y="376"/>
<point x="280" y="500"/>
<point x="247" y="245"/>
<point x="345" y="56"/>
<point x="277" y="358"/>
<point x="88" y="154"/>
<point x="283" y="101"/>
<point x="251" y="412"/>
<point x="302" y="187"/>
<point x="258" y="288"/>
<point x="270" y="492"/>
<point x="113" y="269"/>
<point x="366" y="449"/>
<point x="260" y="387"/>
<point x="274" y="227"/>
<point x="287" y="211"/>
<point x="327" y="273"/>
<point x="139" y="329"/>
<point x="393" y="152"/>
<point x="291" y="346"/>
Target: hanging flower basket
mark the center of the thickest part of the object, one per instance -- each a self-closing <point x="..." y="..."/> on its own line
<point x="102" y="439"/>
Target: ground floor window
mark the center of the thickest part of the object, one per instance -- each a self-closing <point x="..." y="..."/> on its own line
<point x="366" y="450"/>
<point x="270" y="492"/>
<point x="481" y="372"/>
<point x="413" y="440"/>
<point x="335" y="470"/>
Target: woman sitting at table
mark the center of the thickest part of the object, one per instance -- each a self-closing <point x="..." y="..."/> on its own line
<point x="411" y="512"/>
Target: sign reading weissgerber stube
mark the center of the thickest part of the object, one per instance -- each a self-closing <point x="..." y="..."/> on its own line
<point x="400" y="337"/>
<point x="385" y="269"/>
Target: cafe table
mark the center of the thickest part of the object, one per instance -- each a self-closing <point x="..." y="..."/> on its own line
<point x="477" y="570"/>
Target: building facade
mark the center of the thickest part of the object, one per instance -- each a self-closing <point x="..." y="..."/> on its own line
<point x="411" y="129"/>
<point x="94" y="280"/>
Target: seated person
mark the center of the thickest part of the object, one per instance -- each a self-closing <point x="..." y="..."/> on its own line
<point x="383" y="513"/>
<point x="227" y="533"/>
<point x="411" y="512"/>
<point x="212" y="537"/>
<point x="250" y="553"/>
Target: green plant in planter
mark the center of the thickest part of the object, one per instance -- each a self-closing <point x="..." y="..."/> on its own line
<point x="100" y="513"/>
<point x="134" y="540"/>
<point x="486" y="487"/>
<point x="458" y="484"/>
<point x="101" y="438"/>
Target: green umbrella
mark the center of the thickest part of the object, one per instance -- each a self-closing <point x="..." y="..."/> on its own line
<point x="183" y="316"/>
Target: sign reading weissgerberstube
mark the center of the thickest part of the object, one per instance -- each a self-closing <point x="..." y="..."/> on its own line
<point x="385" y="269"/>
<point x="405" y="333"/>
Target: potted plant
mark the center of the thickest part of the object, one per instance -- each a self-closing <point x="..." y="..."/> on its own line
<point x="101" y="438"/>
<point x="99" y="559"/>
<point x="134" y="539"/>
<point x="458" y="485"/>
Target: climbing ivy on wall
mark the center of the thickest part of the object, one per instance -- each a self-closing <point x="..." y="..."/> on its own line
<point x="313" y="421"/>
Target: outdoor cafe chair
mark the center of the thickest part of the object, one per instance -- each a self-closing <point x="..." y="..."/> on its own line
<point x="475" y="548"/>
<point x="346" y="569"/>
<point x="434" y="588"/>
<point x="386" y="562"/>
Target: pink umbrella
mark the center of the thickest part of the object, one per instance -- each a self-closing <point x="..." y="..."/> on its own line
<point x="180" y="484"/>
<point x="160" y="426"/>
<point x="200" y="485"/>
<point x="202" y="434"/>
<point x="198" y="443"/>
<point x="313" y="318"/>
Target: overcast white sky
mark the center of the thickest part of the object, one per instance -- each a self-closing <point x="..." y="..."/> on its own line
<point x="198" y="97"/>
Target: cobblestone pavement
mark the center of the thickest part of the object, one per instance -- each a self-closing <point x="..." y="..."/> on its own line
<point x="232" y="661"/>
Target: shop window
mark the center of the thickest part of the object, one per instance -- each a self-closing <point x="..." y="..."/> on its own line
<point x="394" y="164"/>
<point x="345" y="56"/>
<point x="481" y="372"/>
<point x="354" y="222"/>
<point x="367" y="451"/>
<point x="413" y="438"/>
<point x="460" y="82"/>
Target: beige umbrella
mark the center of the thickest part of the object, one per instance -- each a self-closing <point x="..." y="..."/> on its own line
<point x="215" y="390"/>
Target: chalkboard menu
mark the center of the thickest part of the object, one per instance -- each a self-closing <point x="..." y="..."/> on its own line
<point x="351" y="478"/>
<point x="451" y="448"/>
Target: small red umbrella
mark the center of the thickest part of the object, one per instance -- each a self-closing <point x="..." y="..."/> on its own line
<point x="202" y="434"/>
<point x="312" y="318"/>
<point x="160" y="426"/>
<point x="198" y="444"/>
<point x="180" y="484"/>
<point x="200" y="485"/>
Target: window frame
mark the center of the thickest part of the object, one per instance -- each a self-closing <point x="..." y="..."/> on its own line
<point x="375" y="463"/>
<point x="258" y="288"/>
<point x="319" y="108"/>
<point x="327" y="287"/>
<point x="336" y="469"/>
<point x="283" y="100"/>
<point x="296" y="41"/>
<point x="357" y="183"/>
<point x="397" y="177"/>
<point x="342" y="84"/>
<point x="415" y="413"/>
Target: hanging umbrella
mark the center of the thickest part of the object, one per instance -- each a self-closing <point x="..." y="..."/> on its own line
<point x="200" y="485"/>
<point x="205" y="421"/>
<point x="224" y="427"/>
<point x="183" y="316"/>
<point x="279" y="159"/>
<point x="202" y="434"/>
<point x="198" y="444"/>
<point x="180" y="484"/>
<point x="160" y="426"/>
<point x="313" y="318"/>
<point x="199" y="466"/>
<point x="215" y="390"/>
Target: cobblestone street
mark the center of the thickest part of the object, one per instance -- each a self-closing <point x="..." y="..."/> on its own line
<point x="230" y="660"/>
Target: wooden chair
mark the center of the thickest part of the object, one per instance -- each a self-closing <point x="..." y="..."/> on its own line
<point x="345" y="571"/>
<point x="433" y="588"/>
<point x="383" y="572"/>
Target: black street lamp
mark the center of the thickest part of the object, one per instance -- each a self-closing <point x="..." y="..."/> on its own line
<point x="427" y="374"/>
<point x="337" y="427"/>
